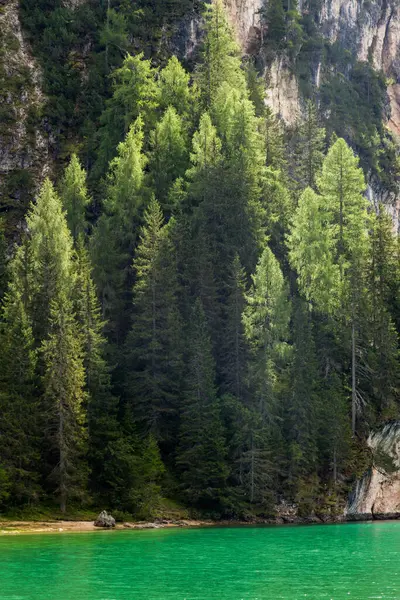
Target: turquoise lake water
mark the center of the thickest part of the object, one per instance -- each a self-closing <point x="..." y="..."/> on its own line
<point x="351" y="561"/>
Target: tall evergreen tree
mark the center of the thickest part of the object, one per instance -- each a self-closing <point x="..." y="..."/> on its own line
<point x="134" y="93"/>
<point x="3" y="261"/>
<point x="50" y="247"/>
<point x="309" y="149"/>
<point x="201" y="452"/>
<point x="74" y="196"/>
<point x="57" y="335"/>
<point x="102" y="405"/>
<point x="64" y="399"/>
<point x="383" y="287"/>
<point x="153" y="345"/>
<point x="114" y="238"/>
<point x="234" y="342"/>
<point x="19" y="403"/>
<point x="174" y="90"/>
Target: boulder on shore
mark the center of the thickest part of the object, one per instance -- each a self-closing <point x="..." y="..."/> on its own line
<point x="104" y="520"/>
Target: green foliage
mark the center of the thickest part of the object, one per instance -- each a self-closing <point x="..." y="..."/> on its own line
<point x="220" y="56"/>
<point x="132" y="470"/>
<point x="75" y="197"/>
<point x="154" y="343"/>
<point x="202" y="338"/>
<point x="114" y="238"/>
<point x="201" y="450"/>
<point x="169" y="155"/>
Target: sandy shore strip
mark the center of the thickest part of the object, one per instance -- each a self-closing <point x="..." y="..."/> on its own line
<point x="18" y="527"/>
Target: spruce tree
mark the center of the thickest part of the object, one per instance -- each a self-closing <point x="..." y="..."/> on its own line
<point x="3" y="261"/>
<point x="201" y="451"/>
<point x="21" y="417"/>
<point x="153" y="345"/>
<point x="75" y="198"/>
<point x="383" y="287"/>
<point x="102" y="405"/>
<point x="64" y="399"/>
<point x="301" y="423"/>
<point x="309" y="150"/>
<point x="234" y="343"/>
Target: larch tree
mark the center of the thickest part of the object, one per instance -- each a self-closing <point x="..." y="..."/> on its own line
<point x="75" y="198"/>
<point x="329" y="247"/>
<point x="59" y="342"/>
<point x="220" y="56"/>
<point x="266" y="321"/>
<point x="134" y="93"/>
<point x="115" y="235"/>
<point x="174" y="89"/>
<point x="169" y="156"/>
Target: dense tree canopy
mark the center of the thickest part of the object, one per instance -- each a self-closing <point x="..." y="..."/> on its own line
<point x="211" y="313"/>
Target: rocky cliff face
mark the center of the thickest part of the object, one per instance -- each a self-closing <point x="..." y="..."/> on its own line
<point x="24" y="159"/>
<point x="377" y="494"/>
<point x="368" y="29"/>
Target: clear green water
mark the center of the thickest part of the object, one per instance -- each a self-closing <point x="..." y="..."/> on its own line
<point x="356" y="561"/>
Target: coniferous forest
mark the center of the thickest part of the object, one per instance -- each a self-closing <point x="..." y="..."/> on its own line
<point x="209" y="313"/>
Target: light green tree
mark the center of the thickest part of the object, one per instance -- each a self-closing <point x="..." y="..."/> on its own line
<point x="329" y="247"/>
<point x="74" y="196"/>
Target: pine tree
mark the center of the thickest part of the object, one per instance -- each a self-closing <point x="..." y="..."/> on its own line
<point x="201" y="452"/>
<point x="169" y="156"/>
<point x="153" y="345"/>
<point x="74" y="196"/>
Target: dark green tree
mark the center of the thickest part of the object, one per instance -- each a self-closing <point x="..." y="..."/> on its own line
<point x="201" y="452"/>
<point x="154" y="346"/>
